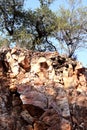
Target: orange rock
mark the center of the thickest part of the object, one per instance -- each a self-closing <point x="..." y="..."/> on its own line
<point x="82" y="80"/>
<point x="39" y="125"/>
<point x="70" y="82"/>
<point x="25" y="63"/>
<point x="65" y="125"/>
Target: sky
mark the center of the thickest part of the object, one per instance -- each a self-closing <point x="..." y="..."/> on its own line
<point x="33" y="4"/>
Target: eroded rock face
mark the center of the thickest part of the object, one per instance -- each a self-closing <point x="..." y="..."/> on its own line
<point x="41" y="91"/>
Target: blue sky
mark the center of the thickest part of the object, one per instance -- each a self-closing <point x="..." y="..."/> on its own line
<point x="33" y="4"/>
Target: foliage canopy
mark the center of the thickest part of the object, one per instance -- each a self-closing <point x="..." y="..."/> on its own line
<point x="34" y="29"/>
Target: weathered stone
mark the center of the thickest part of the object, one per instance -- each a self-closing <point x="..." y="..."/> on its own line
<point x="27" y="117"/>
<point x="65" y="125"/>
<point x="24" y="62"/>
<point x="34" y="98"/>
<point x="38" y="125"/>
<point x="41" y="91"/>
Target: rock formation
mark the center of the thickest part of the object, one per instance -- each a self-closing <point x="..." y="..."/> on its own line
<point x="41" y="91"/>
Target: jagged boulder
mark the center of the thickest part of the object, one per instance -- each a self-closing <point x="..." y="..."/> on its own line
<point x="41" y="91"/>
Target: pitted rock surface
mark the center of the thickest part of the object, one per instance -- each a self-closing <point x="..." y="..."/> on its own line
<point x="41" y="91"/>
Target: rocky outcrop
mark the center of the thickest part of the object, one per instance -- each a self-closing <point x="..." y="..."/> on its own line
<point x="41" y="91"/>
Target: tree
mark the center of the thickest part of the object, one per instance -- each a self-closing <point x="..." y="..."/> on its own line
<point x="37" y="27"/>
<point x="10" y="10"/>
<point x="34" y="28"/>
<point x="4" y="42"/>
<point x="46" y="2"/>
<point x="72" y="27"/>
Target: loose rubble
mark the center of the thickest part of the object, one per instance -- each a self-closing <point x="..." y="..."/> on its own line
<point x="41" y="91"/>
